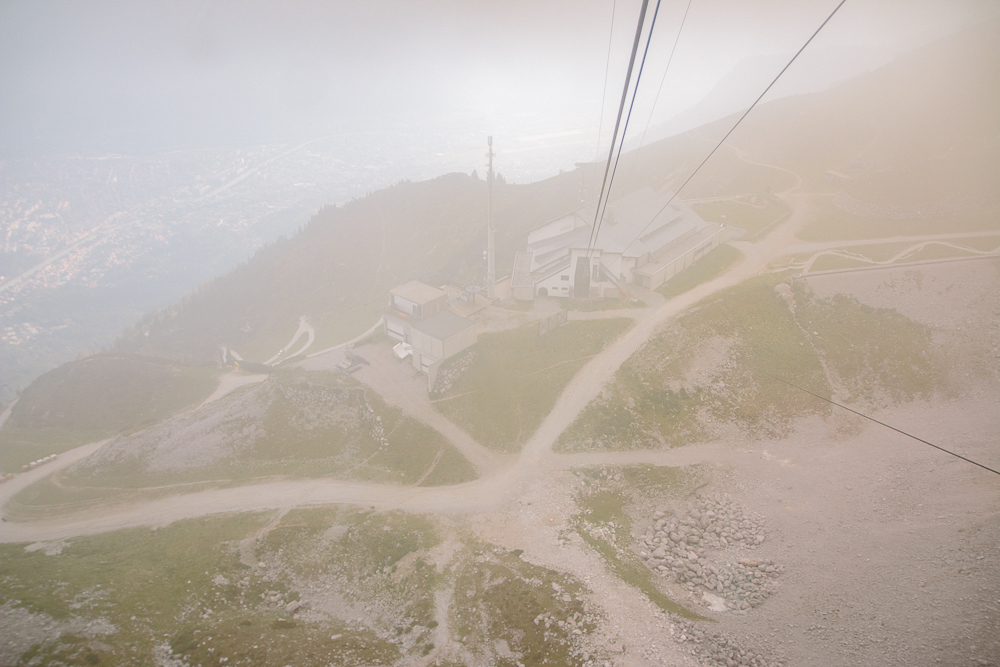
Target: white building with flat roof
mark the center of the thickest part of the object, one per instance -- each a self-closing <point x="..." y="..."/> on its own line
<point x="642" y="240"/>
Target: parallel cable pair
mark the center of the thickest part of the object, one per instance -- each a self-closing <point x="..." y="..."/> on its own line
<point x="621" y="110"/>
<point x="740" y="120"/>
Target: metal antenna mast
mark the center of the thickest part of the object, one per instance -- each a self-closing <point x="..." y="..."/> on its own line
<point x="491" y="276"/>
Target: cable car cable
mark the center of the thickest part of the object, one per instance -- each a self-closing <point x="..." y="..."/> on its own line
<point x="621" y="144"/>
<point x="621" y="107"/>
<point x="656" y="99"/>
<point x="881" y="423"/>
<point x="718" y="145"/>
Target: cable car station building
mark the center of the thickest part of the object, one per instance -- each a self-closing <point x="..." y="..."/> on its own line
<point x="640" y="242"/>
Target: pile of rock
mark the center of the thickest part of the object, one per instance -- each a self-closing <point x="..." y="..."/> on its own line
<point x="716" y="649"/>
<point x="451" y="372"/>
<point x="677" y="547"/>
<point x="373" y="421"/>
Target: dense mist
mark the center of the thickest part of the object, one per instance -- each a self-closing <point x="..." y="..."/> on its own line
<point x="139" y="77"/>
<point x="440" y="334"/>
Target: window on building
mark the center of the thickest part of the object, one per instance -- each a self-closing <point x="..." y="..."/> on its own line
<point x="563" y="277"/>
<point x="596" y="277"/>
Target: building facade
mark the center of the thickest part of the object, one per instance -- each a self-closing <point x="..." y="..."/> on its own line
<point x="418" y="316"/>
<point x="643" y="240"/>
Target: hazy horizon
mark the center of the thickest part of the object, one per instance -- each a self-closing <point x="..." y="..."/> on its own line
<point x="141" y="78"/>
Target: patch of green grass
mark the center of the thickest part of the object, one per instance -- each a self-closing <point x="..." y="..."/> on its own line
<point x="875" y="352"/>
<point x="297" y="443"/>
<point x="606" y="526"/>
<point x="299" y="424"/>
<point x="108" y="393"/>
<point x="652" y="403"/>
<point x="48" y="498"/>
<point x="634" y="417"/>
<point x="185" y="587"/>
<point x="413" y="448"/>
<point x="533" y="609"/>
<point x="151" y="575"/>
<point x="764" y="336"/>
<point x="451" y="468"/>
<point x="370" y="542"/>
<point x="272" y="639"/>
<point x="19" y="446"/>
<point x="712" y="265"/>
<point x="379" y="562"/>
<point x="517" y="376"/>
<point x="754" y="219"/>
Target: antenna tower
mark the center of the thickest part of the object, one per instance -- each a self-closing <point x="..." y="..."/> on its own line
<point x="491" y="275"/>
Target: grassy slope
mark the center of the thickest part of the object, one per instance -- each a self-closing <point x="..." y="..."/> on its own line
<point x="877" y="354"/>
<point x="299" y="424"/>
<point x="532" y="609"/>
<point x="905" y="148"/>
<point x="754" y="219"/>
<point x="729" y="342"/>
<point x="339" y="268"/>
<point x="714" y="264"/>
<point x="155" y="587"/>
<point x="650" y="404"/>
<point x="607" y="510"/>
<point x="368" y="580"/>
<point x="832" y="224"/>
<point x="517" y="376"/>
<point x="96" y="398"/>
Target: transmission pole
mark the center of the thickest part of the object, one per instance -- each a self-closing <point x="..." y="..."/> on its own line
<point x="491" y="276"/>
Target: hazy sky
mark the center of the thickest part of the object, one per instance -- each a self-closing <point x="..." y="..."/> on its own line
<point x="99" y="76"/>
